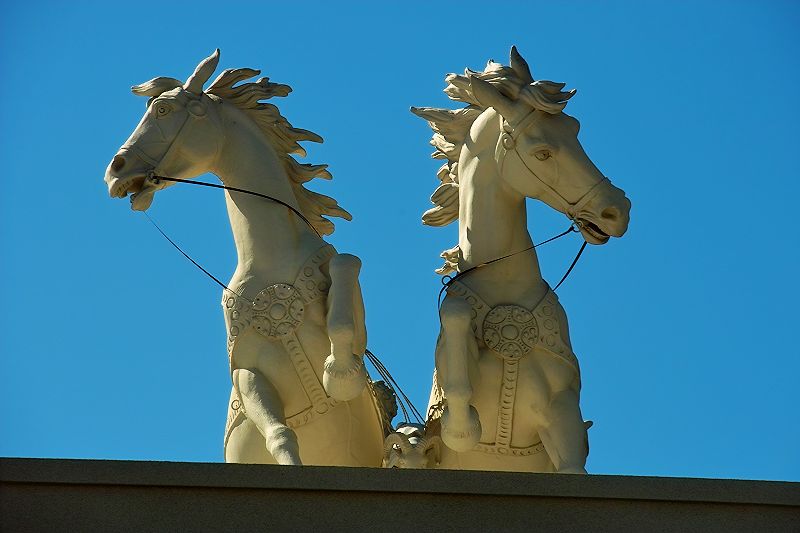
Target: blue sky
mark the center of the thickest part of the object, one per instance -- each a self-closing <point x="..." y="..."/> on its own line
<point x="113" y="346"/>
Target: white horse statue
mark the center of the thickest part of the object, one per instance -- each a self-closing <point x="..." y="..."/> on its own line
<point x="507" y="383"/>
<point x="293" y="311"/>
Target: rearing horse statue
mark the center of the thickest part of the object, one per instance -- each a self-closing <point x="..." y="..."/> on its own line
<point x="293" y="309"/>
<point x="507" y="383"/>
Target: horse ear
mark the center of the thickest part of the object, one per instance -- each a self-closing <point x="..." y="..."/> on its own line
<point x="202" y="73"/>
<point x="488" y="96"/>
<point x="520" y="66"/>
<point x="156" y="86"/>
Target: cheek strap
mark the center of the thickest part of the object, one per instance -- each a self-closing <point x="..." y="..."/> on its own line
<point x="507" y="142"/>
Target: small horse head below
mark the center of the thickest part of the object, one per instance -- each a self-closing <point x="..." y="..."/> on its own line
<point x="164" y="142"/>
<point x="520" y="124"/>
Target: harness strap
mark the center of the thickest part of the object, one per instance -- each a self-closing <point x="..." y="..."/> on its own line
<point x="149" y="160"/>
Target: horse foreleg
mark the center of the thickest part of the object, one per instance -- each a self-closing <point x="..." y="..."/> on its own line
<point x="457" y="349"/>
<point x="564" y="433"/>
<point x="345" y="376"/>
<point x="263" y="407"/>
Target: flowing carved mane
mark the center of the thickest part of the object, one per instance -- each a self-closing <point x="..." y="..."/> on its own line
<point x="283" y="137"/>
<point x="451" y="128"/>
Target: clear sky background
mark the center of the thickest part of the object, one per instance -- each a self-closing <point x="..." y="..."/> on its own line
<point x="113" y="346"/>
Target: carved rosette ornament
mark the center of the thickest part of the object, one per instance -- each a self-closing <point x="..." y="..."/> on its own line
<point x="510" y="331"/>
<point x="277" y="311"/>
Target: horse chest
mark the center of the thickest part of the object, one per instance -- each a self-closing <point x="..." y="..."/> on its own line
<point x="278" y="310"/>
<point x="511" y="331"/>
<point x="279" y="333"/>
<point x="518" y="348"/>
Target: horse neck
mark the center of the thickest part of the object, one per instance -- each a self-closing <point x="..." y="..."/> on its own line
<point x="271" y="241"/>
<point x="492" y="223"/>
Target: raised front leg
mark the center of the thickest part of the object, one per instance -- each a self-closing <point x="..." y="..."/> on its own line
<point x="455" y="352"/>
<point x="263" y="407"/>
<point x="345" y="376"/>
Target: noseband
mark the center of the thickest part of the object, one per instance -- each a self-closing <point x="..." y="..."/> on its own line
<point x="507" y="142"/>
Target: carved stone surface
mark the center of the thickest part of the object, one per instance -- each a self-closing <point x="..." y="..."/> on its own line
<point x="277" y="311"/>
<point x="293" y="309"/>
<point x="511" y="141"/>
<point x="408" y="447"/>
<point x="510" y="331"/>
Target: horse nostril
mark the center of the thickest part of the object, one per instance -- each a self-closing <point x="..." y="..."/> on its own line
<point x="610" y="213"/>
<point x="117" y="163"/>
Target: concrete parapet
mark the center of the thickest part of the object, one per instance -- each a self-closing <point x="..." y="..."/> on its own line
<point x="89" y="495"/>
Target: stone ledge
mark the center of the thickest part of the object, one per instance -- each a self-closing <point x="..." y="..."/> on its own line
<point x="149" y="496"/>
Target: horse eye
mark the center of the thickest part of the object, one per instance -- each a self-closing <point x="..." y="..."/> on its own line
<point x="541" y="155"/>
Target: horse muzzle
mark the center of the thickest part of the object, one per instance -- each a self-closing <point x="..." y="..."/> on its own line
<point x="125" y="174"/>
<point x="604" y="216"/>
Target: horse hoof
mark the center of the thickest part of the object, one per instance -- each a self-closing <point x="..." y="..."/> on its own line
<point x="461" y="437"/>
<point x="344" y="383"/>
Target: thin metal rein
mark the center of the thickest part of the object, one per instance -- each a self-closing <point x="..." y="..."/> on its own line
<point x="195" y="263"/>
<point x="245" y="191"/>
<point x="447" y="283"/>
<point x="394" y="385"/>
<point x="574" y="262"/>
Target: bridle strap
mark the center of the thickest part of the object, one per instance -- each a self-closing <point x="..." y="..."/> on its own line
<point x="149" y="160"/>
<point x="507" y="142"/>
<point x="578" y="206"/>
<point x="153" y="176"/>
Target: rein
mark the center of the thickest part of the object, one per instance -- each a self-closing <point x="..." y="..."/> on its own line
<point x="448" y="280"/>
<point x="154" y="179"/>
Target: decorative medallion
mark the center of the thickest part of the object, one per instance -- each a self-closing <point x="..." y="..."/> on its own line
<point x="510" y="331"/>
<point x="277" y="311"/>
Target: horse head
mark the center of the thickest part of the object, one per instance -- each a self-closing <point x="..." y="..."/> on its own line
<point x="539" y="155"/>
<point x="179" y="136"/>
<point x="521" y="124"/>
